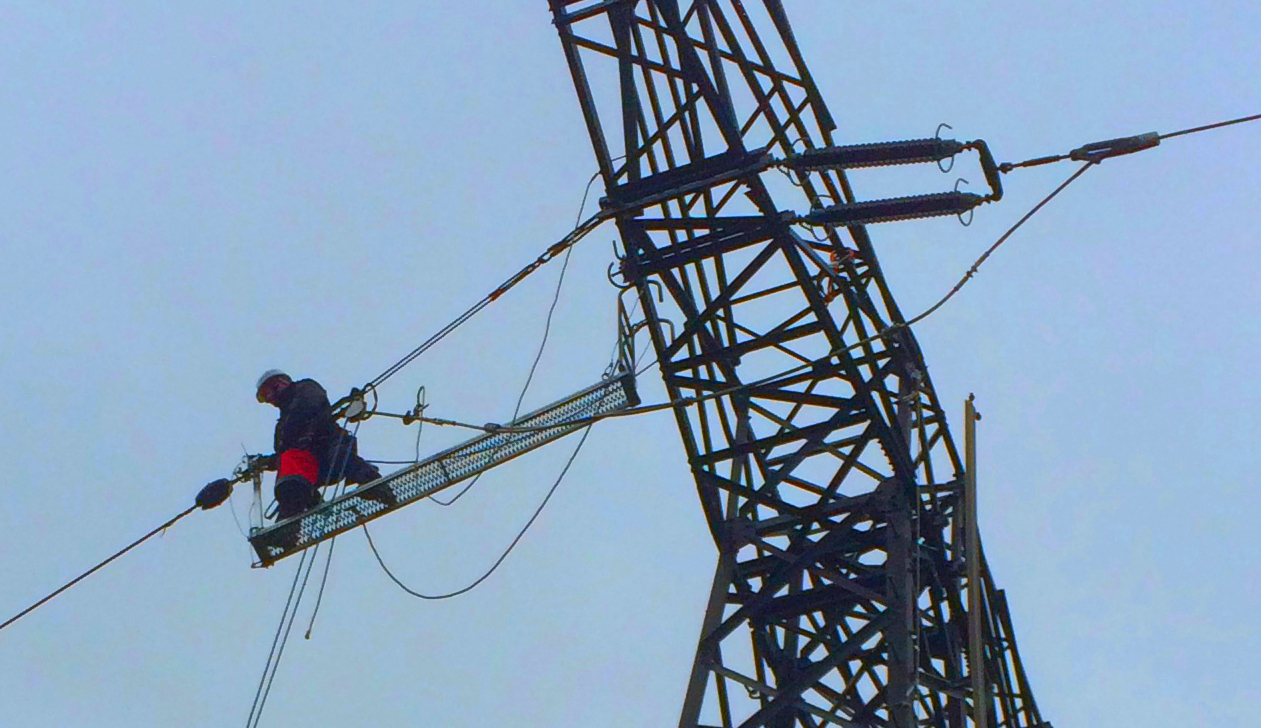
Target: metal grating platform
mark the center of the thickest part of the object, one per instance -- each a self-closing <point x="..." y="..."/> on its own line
<point x="444" y="469"/>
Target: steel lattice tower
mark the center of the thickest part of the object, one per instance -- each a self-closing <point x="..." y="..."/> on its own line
<point x="831" y="485"/>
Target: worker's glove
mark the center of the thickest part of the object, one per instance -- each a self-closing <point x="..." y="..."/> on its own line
<point x="259" y="463"/>
<point x="215" y="493"/>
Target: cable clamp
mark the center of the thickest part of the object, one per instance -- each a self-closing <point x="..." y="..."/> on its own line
<point x="416" y="415"/>
<point x="1099" y="151"/>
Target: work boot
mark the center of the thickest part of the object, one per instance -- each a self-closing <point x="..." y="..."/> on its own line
<point x="361" y="472"/>
<point x="382" y="495"/>
<point x="294" y="495"/>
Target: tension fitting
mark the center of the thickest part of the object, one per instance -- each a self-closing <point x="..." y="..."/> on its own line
<point x="1095" y="152"/>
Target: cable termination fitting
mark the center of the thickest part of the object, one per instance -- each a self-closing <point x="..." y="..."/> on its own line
<point x="1099" y="151"/>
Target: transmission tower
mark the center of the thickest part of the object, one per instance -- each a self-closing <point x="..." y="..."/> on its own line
<point x="844" y="592"/>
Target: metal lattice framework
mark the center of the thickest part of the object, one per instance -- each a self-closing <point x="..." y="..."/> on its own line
<point x="829" y="480"/>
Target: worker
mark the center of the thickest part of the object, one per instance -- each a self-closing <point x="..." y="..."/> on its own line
<point x="311" y="449"/>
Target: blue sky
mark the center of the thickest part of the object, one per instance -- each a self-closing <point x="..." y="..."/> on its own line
<point x="196" y="194"/>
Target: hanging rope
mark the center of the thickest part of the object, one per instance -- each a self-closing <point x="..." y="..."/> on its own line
<point x="337" y="466"/>
<point x="895" y="328"/>
<point x="281" y="639"/>
<point x="94" y="569"/>
<point x="502" y="557"/>
<point x="967" y="276"/>
<point x="340" y="458"/>
<point x="276" y="639"/>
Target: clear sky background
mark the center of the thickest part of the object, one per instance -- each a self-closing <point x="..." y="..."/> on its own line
<point x="195" y="193"/>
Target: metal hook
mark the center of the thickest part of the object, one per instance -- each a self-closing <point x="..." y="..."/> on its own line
<point x="791" y="179"/>
<point x="661" y="298"/>
<point x="613" y="271"/>
<point x="636" y="327"/>
<point x="971" y="211"/>
<point x="673" y="331"/>
<point x="621" y="304"/>
<point x="418" y="412"/>
<point x="619" y="265"/>
<point x="937" y="135"/>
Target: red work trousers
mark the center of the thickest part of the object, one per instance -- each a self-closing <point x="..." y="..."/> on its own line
<point x="299" y="462"/>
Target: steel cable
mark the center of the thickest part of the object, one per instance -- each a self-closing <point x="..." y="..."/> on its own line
<point x="578" y="233"/>
<point x="341" y="456"/>
<point x="989" y="251"/>
<point x="1157" y="138"/>
<point x="94" y="569"/>
<point x="547" y="329"/>
<point x="1207" y="127"/>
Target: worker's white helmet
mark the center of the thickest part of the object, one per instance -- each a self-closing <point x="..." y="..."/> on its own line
<point x="267" y="376"/>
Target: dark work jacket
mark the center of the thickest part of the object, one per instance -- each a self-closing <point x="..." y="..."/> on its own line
<point x="306" y="419"/>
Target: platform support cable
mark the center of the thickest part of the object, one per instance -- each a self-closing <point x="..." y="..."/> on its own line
<point x="565" y="243"/>
<point x="538" y="356"/>
<point x="502" y="557"/>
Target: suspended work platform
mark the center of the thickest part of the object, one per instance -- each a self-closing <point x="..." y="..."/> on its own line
<point x="441" y="471"/>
